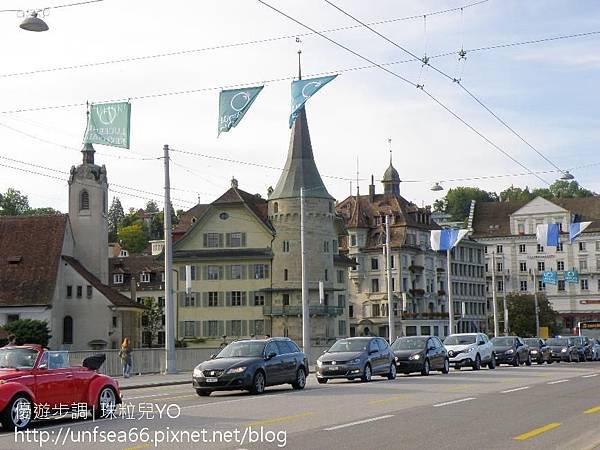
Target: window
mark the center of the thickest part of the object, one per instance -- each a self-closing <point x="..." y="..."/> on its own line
<point x="88" y="291"/>
<point x="259" y="327"/>
<point x="582" y="246"/>
<point x="522" y="248"/>
<point x="69" y="291"/>
<point x="374" y="285"/>
<point x="236" y="299"/>
<point x="499" y="266"/>
<point x="285" y="274"/>
<point x="498" y="248"/>
<point x="351" y="309"/>
<point x="342" y="328"/>
<point x="353" y="239"/>
<point x="521" y="228"/>
<point x="583" y="264"/>
<point x="259" y="299"/>
<point x="375" y="310"/>
<point x="79" y="291"/>
<point x="560" y="265"/>
<point x="325" y="246"/>
<point x="236" y="272"/>
<point x="275" y="207"/>
<point x="118" y="278"/>
<point x="559" y="247"/>
<point x="212" y="240"/>
<point x="541" y="285"/>
<point x="500" y="285"/>
<point x="260" y="271"/>
<point x="540" y="248"/>
<point x="145" y="277"/>
<point x="189" y="328"/>
<point x="123" y="253"/>
<point x="326" y="275"/>
<point x="286" y="246"/>
<point x="334" y="246"/>
<point x="114" y="321"/>
<point x="485" y="249"/>
<point x="285" y="299"/>
<point x="68" y="330"/>
<point x="374" y="264"/>
<point x="411" y="330"/>
<point x="523" y="285"/>
<point x="84" y="200"/>
<point x="190" y="300"/>
<point x="236" y="239"/>
<point x="213" y="272"/>
<point x="213" y="299"/>
<point x="584" y="284"/>
<point x="213" y="328"/>
<point x="340" y="276"/>
<point x="541" y="265"/>
<point x="236" y="328"/>
<point x="561" y="285"/>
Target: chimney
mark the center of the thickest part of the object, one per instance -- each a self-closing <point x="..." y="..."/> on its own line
<point x="133" y="289"/>
<point x="372" y="190"/>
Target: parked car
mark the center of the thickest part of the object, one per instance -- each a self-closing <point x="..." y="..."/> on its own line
<point x="357" y="357"/>
<point x="596" y="348"/>
<point x="584" y="348"/>
<point x="511" y="350"/>
<point x="251" y="365"/>
<point x="31" y="375"/>
<point x="539" y="351"/>
<point x="420" y="354"/>
<point x="562" y="349"/>
<point x="470" y="349"/>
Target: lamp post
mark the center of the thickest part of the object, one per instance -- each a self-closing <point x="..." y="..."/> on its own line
<point x="305" y="306"/>
<point x="169" y="307"/>
<point x="535" y="299"/>
<point x="494" y="303"/>
<point x="390" y="294"/>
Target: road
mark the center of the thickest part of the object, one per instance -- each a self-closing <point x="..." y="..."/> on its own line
<point x="537" y="407"/>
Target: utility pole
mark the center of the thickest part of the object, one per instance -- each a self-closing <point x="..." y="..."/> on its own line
<point x="535" y="298"/>
<point x="450" y="306"/>
<point x="169" y="310"/>
<point x="494" y="303"/>
<point x="305" y="307"/>
<point x="506" y="328"/>
<point x="390" y="294"/>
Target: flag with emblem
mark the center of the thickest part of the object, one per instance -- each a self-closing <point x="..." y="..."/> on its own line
<point x="302" y="90"/>
<point x="109" y="124"/>
<point x="234" y="104"/>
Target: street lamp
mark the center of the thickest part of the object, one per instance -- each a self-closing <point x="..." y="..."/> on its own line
<point x="437" y="187"/>
<point x="33" y="23"/>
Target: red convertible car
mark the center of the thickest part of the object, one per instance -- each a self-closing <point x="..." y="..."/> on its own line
<point x="34" y="379"/>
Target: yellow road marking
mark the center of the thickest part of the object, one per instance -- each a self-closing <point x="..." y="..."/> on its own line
<point x="537" y="431"/>
<point x="388" y="400"/>
<point x="280" y="419"/>
<point x="592" y="410"/>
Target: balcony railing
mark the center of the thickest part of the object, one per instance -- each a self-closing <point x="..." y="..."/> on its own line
<point x="425" y="315"/>
<point x="296" y="310"/>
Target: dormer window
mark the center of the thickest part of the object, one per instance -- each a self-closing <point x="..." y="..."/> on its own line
<point x="123" y="254"/>
<point x="118" y="278"/>
<point x="145" y="277"/>
<point x="84" y="201"/>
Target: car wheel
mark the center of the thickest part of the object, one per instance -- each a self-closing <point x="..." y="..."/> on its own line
<point x="392" y="373"/>
<point x="107" y="403"/>
<point x="300" y="380"/>
<point x="446" y="367"/>
<point x="203" y="392"/>
<point x="425" y="369"/>
<point x="492" y="363"/>
<point x="517" y="361"/>
<point x="528" y="362"/>
<point x="367" y="374"/>
<point x="17" y="414"/>
<point x="324" y="380"/>
<point x="258" y="383"/>
<point x="477" y="363"/>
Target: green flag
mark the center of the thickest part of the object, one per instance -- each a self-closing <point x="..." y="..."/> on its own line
<point x="233" y="104"/>
<point x="108" y="124"/>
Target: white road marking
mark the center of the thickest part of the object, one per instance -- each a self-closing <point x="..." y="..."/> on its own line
<point x="454" y="401"/>
<point x="590" y="376"/>
<point x="358" y="422"/>
<point x="558" y="381"/>
<point x="515" y="390"/>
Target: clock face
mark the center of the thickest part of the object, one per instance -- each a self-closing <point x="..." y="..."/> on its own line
<point x="223" y="216"/>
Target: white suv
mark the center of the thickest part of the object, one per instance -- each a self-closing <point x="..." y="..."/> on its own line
<point x="470" y="349"/>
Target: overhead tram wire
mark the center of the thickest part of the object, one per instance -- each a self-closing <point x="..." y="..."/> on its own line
<point x="450" y="111"/>
<point x="452" y="79"/>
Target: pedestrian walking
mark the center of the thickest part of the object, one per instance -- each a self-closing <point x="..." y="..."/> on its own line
<point x="125" y="355"/>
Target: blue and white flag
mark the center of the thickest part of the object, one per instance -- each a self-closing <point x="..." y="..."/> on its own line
<point x="302" y="90"/>
<point x="446" y="239"/>
<point x="233" y="104"/>
<point x="547" y="234"/>
<point x="550" y="277"/>
<point x="575" y="229"/>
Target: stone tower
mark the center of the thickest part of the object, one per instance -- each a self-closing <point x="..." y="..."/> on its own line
<point x="321" y="240"/>
<point x="88" y="206"/>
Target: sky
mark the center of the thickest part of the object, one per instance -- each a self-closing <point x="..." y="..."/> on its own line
<point x="546" y="91"/>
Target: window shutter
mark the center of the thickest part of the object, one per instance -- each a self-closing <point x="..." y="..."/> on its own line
<point x="220" y="328"/>
<point x="205" y="299"/>
<point x="220" y="239"/>
<point x="244" y="327"/>
<point x="197" y="328"/>
<point x="228" y="272"/>
<point x="205" y="240"/>
<point x="221" y="298"/>
<point x="181" y="297"/>
<point x="251" y="298"/>
<point x="180" y="329"/>
<point x="244" y="267"/>
<point x="266" y="271"/>
<point x="252" y="327"/>
<point x="220" y="272"/>
<point x="228" y="327"/>
<point x="204" y="272"/>
<point x="228" y="240"/>
<point x="228" y="298"/>
<point x="243" y="239"/>
<point x="205" y="328"/>
<point x="182" y="273"/>
<point x="244" y="298"/>
<point x="195" y="273"/>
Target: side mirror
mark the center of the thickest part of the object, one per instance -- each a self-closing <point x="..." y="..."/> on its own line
<point x="372" y="351"/>
<point x="480" y="343"/>
<point x="43" y="366"/>
<point x="271" y="356"/>
<point x="213" y="356"/>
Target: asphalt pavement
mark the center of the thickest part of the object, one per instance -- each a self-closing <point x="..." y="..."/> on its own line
<point x="551" y="407"/>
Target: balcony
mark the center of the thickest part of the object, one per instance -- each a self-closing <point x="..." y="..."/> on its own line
<point x="415" y="268"/>
<point x="425" y="315"/>
<point x="296" y="310"/>
<point x="441" y="292"/>
<point x="417" y="292"/>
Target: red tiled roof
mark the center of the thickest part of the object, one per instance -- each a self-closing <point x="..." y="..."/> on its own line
<point x="34" y="245"/>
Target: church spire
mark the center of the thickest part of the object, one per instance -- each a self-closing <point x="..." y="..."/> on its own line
<point x="391" y="179"/>
<point x="88" y="153"/>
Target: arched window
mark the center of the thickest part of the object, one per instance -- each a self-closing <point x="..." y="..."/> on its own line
<point x="84" y="200"/>
<point x="275" y="207"/>
<point x="68" y="330"/>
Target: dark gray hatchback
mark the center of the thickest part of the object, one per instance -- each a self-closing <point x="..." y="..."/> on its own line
<point x="357" y="357"/>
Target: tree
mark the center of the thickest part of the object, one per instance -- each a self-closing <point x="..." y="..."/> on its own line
<point x="152" y="319"/>
<point x="13" y="203"/>
<point x="28" y="331"/>
<point x="151" y="207"/>
<point x="115" y="217"/>
<point x="569" y="189"/>
<point x="46" y="211"/>
<point x="133" y="238"/>
<point x="458" y="201"/>
<point x="157" y="226"/>
<point x="521" y="314"/>
<point x="516" y="194"/>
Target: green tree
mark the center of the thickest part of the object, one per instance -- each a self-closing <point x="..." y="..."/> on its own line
<point x="516" y="194"/>
<point x="133" y="238"/>
<point x="28" y="331"/>
<point x="115" y="217"/>
<point x="151" y="207"/>
<point x="458" y="201"/>
<point x="152" y="319"/>
<point x="569" y="189"/>
<point x="13" y="203"/>
<point x="521" y="314"/>
<point x="45" y="211"/>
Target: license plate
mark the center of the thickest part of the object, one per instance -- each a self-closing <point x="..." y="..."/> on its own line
<point x="212" y="380"/>
<point x="334" y="368"/>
